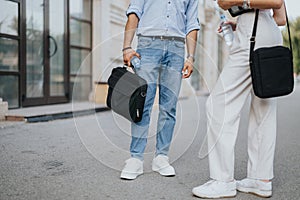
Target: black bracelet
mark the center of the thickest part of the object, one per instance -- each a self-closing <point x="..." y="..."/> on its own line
<point x="126" y="48"/>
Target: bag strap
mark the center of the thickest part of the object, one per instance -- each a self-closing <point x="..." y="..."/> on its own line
<point x="252" y="39"/>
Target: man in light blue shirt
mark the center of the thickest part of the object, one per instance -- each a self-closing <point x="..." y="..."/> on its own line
<point x="162" y="27"/>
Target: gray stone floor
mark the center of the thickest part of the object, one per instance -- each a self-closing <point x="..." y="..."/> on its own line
<point x="81" y="158"/>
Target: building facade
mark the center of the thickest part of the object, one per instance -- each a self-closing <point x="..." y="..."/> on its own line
<point x="54" y="51"/>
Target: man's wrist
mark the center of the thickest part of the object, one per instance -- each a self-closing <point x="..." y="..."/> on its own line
<point x="190" y="57"/>
<point x="126" y="48"/>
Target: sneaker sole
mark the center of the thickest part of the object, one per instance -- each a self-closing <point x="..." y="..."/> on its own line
<point x="163" y="174"/>
<point x="230" y="195"/>
<point x="130" y="176"/>
<point x="259" y="193"/>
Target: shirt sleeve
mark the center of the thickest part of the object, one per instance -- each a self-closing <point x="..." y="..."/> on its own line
<point x="192" y="22"/>
<point x="137" y="7"/>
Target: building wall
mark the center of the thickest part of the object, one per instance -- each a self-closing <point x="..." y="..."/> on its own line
<point x="108" y="26"/>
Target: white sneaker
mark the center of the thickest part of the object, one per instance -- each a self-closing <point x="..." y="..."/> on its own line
<point x="161" y="165"/>
<point x="132" y="169"/>
<point x="214" y="189"/>
<point x="257" y="187"/>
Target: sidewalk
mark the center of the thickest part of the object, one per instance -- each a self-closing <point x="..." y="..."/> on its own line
<point x="54" y="112"/>
<point x="80" y="158"/>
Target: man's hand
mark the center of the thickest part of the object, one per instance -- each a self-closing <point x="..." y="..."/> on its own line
<point x="128" y="55"/>
<point x="225" y="5"/>
<point x="188" y="68"/>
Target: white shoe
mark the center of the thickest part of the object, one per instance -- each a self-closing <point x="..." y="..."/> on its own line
<point x="132" y="169"/>
<point x="257" y="187"/>
<point x="161" y="165"/>
<point x="216" y="189"/>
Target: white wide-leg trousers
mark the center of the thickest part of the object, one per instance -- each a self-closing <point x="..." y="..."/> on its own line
<point x="226" y="100"/>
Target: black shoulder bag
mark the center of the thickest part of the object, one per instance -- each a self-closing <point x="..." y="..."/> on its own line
<point x="271" y="67"/>
<point x="126" y="94"/>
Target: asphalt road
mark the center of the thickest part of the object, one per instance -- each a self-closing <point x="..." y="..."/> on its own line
<point x="81" y="158"/>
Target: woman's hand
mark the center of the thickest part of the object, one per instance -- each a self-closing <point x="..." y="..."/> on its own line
<point x="225" y="5"/>
<point x="232" y="24"/>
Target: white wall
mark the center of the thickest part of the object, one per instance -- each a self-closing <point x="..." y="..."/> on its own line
<point x="108" y="25"/>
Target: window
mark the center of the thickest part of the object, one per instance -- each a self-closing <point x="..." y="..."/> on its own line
<point x="9" y="52"/>
<point x="81" y="46"/>
<point x="9" y="18"/>
<point x="9" y="90"/>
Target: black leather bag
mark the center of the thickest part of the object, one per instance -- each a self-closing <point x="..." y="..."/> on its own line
<point x="126" y="94"/>
<point x="271" y="68"/>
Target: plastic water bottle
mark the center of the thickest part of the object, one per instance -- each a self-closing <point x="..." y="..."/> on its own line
<point x="135" y="62"/>
<point x="226" y="30"/>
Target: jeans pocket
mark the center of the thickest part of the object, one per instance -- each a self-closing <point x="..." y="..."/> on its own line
<point x="179" y="44"/>
<point x="144" y="42"/>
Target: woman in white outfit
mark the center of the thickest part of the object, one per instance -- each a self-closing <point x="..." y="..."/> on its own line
<point x="227" y="99"/>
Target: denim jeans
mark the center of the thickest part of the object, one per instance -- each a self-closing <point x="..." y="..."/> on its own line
<point x="160" y="65"/>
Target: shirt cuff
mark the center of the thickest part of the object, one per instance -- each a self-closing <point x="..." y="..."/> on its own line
<point x="192" y="27"/>
<point x="135" y="10"/>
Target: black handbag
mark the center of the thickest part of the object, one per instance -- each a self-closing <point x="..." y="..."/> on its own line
<point x="126" y="94"/>
<point x="271" y="67"/>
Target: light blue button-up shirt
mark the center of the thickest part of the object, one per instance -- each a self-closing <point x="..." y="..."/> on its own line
<point x="165" y="17"/>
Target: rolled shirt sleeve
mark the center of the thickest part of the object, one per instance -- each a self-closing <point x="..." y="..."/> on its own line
<point x="137" y="7"/>
<point x="192" y="22"/>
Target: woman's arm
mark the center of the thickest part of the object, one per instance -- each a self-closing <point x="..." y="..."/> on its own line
<point x="260" y="4"/>
<point x="279" y="15"/>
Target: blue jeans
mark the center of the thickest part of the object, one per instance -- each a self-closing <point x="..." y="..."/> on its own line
<point x="161" y="64"/>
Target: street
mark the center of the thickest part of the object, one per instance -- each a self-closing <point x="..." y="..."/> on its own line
<point x="81" y="158"/>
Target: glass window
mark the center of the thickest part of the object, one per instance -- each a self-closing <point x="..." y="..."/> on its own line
<point x="9" y="19"/>
<point x="9" y="90"/>
<point x="9" y="55"/>
<point x="81" y="9"/>
<point x="80" y="40"/>
<point x="80" y="62"/>
<point x="80" y="33"/>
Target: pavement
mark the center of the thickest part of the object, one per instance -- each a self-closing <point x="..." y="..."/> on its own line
<point x="81" y="158"/>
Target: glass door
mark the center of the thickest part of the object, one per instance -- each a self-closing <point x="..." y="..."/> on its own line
<point x="46" y="71"/>
<point x="35" y="62"/>
<point x="57" y="42"/>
